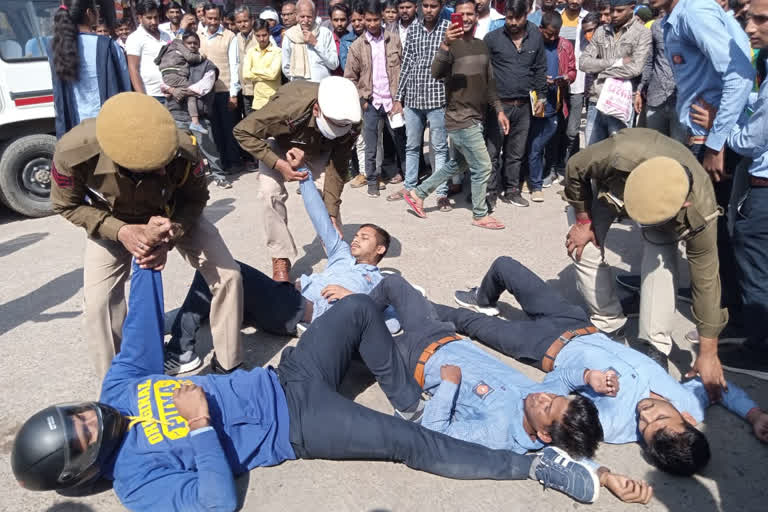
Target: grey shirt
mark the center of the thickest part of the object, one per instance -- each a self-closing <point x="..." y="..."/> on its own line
<point x="658" y="82"/>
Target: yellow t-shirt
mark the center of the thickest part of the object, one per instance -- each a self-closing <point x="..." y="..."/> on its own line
<point x="568" y="22"/>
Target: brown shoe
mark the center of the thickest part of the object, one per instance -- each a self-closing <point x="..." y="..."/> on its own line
<point x="281" y="268"/>
<point x="382" y="185"/>
<point x="358" y="181"/>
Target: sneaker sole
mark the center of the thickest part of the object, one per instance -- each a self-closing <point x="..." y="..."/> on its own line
<point x="592" y="474"/>
<point x="484" y="311"/>
<point x="758" y="374"/>
<point x="186" y="367"/>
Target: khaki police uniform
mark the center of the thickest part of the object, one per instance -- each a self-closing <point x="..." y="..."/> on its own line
<point x="288" y="118"/>
<point x="92" y="192"/>
<point x="595" y="181"/>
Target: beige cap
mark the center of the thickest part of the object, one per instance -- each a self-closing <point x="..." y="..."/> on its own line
<point x="136" y="132"/>
<point x="656" y="190"/>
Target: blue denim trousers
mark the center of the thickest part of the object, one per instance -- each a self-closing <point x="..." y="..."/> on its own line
<point x="415" y="121"/>
<point x="601" y="126"/>
<point x="469" y="148"/>
<point x="542" y="130"/>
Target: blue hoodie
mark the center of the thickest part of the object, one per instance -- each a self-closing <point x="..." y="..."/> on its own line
<point x="160" y="465"/>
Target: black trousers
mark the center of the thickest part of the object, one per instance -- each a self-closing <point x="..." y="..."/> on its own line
<point x="272" y="306"/>
<point x="548" y="313"/>
<point x="326" y="425"/>
<point x="505" y="173"/>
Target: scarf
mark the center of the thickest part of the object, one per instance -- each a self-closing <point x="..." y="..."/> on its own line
<point x="299" y="56"/>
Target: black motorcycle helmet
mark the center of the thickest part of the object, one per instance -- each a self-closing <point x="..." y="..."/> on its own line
<point x="66" y="445"/>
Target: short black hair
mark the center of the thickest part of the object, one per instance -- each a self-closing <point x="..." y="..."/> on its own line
<point x="518" y="8"/>
<point x="189" y="33"/>
<point x="173" y="5"/>
<point x="551" y="19"/>
<point x="371" y="7"/>
<point x="592" y="17"/>
<point x="260" y="24"/>
<point x="209" y="6"/>
<point x="681" y="454"/>
<point x="382" y="238"/>
<point x="602" y="5"/>
<point x="340" y="7"/>
<point x="460" y="2"/>
<point x="398" y="2"/>
<point x="358" y="7"/>
<point x="144" y="6"/>
<point x="580" y="431"/>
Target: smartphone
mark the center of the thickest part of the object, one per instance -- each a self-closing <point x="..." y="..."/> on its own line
<point x="457" y="19"/>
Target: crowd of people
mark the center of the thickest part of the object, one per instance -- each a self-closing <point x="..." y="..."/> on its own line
<point x="669" y="101"/>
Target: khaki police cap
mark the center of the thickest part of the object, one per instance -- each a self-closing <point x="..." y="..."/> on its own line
<point x="656" y="190"/>
<point x="136" y="132"/>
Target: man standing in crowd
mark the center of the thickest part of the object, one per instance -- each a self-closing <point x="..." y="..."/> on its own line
<point x="309" y="52"/>
<point x="464" y="64"/>
<point x="141" y="49"/>
<point x="662" y="187"/>
<point x="657" y="91"/>
<point x="520" y="68"/>
<point x="246" y="40"/>
<point x="173" y="27"/>
<point x="221" y="48"/>
<point x="373" y="65"/>
<point x="617" y="50"/>
<point x="357" y="25"/>
<point x="320" y="119"/>
<point x="422" y="98"/>
<point x="406" y="15"/>
<point x="544" y="6"/>
<point x="200" y="15"/>
<point x="120" y="176"/>
<point x="488" y="18"/>
<point x="339" y="18"/>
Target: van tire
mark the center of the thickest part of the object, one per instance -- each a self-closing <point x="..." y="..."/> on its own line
<point x="25" y="177"/>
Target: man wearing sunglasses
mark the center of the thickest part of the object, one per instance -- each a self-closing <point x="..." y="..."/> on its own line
<point x="659" y="184"/>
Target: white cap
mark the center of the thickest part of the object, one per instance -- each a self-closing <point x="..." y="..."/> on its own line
<point x="269" y="14"/>
<point x="339" y="103"/>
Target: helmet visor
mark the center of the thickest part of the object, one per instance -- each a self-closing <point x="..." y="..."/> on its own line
<point x="83" y="428"/>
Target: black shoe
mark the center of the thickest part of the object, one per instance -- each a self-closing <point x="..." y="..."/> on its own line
<point x="512" y="196"/>
<point x="175" y="363"/>
<point x="745" y="359"/>
<point x="631" y="306"/>
<point x="220" y="370"/>
<point x="657" y="355"/>
<point x="373" y="190"/>
<point x="632" y="282"/>
<point x="222" y="182"/>
<point x="619" y="335"/>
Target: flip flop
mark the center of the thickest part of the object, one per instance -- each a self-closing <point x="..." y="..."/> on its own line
<point x="416" y="209"/>
<point x="495" y="225"/>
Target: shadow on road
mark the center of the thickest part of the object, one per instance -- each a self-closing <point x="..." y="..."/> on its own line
<point x="20" y="242"/>
<point x="70" y="506"/>
<point x="32" y="307"/>
<point x="219" y="209"/>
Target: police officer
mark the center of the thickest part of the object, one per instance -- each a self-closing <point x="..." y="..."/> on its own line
<point x="658" y="183"/>
<point x="320" y="119"/>
<point x="136" y="184"/>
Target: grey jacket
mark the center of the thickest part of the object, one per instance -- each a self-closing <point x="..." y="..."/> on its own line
<point x="658" y="81"/>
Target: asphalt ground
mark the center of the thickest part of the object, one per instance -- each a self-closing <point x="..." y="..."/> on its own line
<point x="44" y="356"/>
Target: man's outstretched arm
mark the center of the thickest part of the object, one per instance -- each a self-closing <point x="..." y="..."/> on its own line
<point x="318" y="214"/>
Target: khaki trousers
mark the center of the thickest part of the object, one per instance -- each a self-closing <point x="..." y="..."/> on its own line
<point x="272" y="195"/>
<point x="107" y="267"/>
<point x="658" y="271"/>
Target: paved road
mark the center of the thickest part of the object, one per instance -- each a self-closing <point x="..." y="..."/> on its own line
<point x="44" y="358"/>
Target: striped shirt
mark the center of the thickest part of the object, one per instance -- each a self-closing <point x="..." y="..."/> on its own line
<point x="417" y="88"/>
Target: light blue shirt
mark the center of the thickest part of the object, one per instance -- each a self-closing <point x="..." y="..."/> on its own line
<point x="710" y="56"/>
<point x="86" y="88"/>
<point x="487" y="406"/>
<point x="749" y="136"/>
<point x="638" y="377"/>
<point x="342" y="268"/>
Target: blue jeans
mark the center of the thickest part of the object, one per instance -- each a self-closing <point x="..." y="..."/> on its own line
<point x="470" y="149"/>
<point x="326" y="425"/>
<point x="542" y="130"/>
<point x="750" y="247"/>
<point x="415" y="120"/>
<point x="601" y="126"/>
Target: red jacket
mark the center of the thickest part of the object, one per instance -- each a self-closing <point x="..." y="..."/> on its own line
<point x="566" y="58"/>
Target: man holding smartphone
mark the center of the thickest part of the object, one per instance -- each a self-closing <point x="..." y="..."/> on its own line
<point x="464" y="64"/>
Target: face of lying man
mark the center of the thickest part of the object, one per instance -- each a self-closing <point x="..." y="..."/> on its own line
<point x="544" y="409"/>
<point x="654" y="414"/>
<point x="365" y="246"/>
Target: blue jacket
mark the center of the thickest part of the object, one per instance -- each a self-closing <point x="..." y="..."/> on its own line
<point x="112" y="75"/>
<point x="344" y="43"/>
<point x="160" y="465"/>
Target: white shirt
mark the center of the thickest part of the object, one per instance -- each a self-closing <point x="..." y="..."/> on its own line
<point x="403" y="31"/>
<point x="483" y="24"/>
<point x="166" y="27"/>
<point x="145" y="46"/>
<point x="323" y="57"/>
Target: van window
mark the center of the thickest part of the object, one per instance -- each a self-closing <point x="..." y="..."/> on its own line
<point x="26" y="28"/>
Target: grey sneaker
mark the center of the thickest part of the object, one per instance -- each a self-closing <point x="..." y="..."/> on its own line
<point x="556" y="469"/>
<point x="512" y="196"/>
<point x="175" y="363"/>
<point x="373" y="190"/>
<point x="469" y="300"/>
<point x="414" y="414"/>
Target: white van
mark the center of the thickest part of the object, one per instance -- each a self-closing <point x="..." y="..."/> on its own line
<point x="27" y="132"/>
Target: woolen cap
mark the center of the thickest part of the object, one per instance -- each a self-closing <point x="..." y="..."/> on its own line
<point x="619" y="3"/>
<point x="656" y="190"/>
<point x="136" y="132"/>
<point x="269" y="14"/>
<point x="339" y="102"/>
